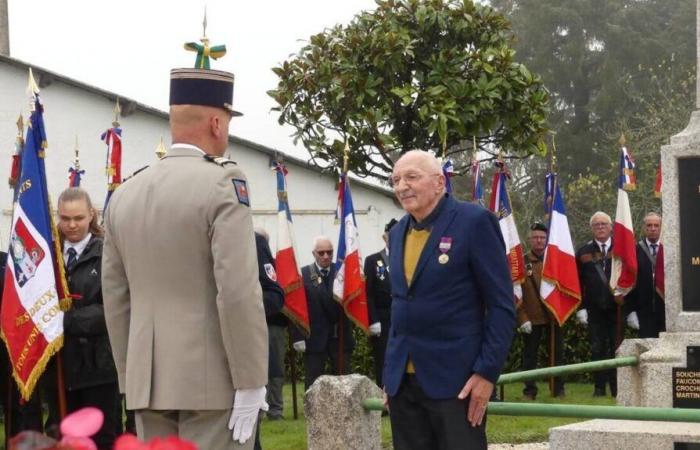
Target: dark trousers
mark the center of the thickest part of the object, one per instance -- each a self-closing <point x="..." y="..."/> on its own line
<point x="315" y="363"/>
<point x="651" y="323"/>
<point x="531" y="346"/>
<point x="601" y="333"/>
<point x="106" y="398"/>
<point x="421" y="423"/>
<point x="378" y="344"/>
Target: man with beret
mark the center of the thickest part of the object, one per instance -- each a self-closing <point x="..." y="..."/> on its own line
<point x="378" y="287"/>
<point x="452" y="312"/>
<point x="182" y="299"/>
<point x="534" y="319"/>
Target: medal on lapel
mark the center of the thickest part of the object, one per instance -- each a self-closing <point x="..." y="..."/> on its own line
<point x="445" y="246"/>
<point x="380" y="270"/>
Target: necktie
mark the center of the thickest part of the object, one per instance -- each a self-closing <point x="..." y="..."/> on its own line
<point x="602" y="249"/>
<point x="653" y="249"/>
<point x="72" y="258"/>
<point x="324" y="273"/>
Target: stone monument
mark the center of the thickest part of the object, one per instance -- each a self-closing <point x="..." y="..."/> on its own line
<point x="668" y="373"/>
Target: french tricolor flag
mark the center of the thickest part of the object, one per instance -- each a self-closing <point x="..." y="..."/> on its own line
<point x="500" y="205"/>
<point x="349" y="283"/>
<point x="623" y="274"/>
<point x="560" y="289"/>
<point x="288" y="275"/>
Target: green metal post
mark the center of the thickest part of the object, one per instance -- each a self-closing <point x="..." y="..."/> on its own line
<point x="594" y="412"/>
<point x="373" y="404"/>
<point x="568" y="369"/>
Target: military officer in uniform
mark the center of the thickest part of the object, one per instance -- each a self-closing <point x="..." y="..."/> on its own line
<point x="182" y="299"/>
<point x="534" y="319"/>
<point x="378" y="286"/>
<point x="598" y="309"/>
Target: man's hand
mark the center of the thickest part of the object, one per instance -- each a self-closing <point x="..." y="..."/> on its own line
<point x="299" y="346"/>
<point x="526" y="327"/>
<point x="375" y="329"/>
<point x="633" y="320"/>
<point x="247" y="403"/>
<point x="479" y="389"/>
<point x="582" y="317"/>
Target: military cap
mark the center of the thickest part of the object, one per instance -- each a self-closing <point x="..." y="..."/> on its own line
<point x="203" y="87"/>
<point x="538" y="226"/>
<point x="390" y="224"/>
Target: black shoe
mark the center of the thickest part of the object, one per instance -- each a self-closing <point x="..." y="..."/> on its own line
<point x="529" y="396"/>
<point x="599" y="393"/>
<point x="274" y="417"/>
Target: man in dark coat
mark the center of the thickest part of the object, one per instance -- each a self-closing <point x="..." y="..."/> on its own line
<point x="648" y="313"/>
<point x="326" y="318"/>
<point x="378" y="286"/>
<point x="452" y="312"/>
<point x="598" y="309"/>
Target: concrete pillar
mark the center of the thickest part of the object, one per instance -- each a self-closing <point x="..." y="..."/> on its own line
<point x="335" y="418"/>
<point x="4" y="29"/>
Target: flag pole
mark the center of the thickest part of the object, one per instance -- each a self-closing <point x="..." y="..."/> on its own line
<point x="341" y="319"/>
<point x="552" y="343"/>
<point x="618" y="301"/>
<point x="291" y="354"/>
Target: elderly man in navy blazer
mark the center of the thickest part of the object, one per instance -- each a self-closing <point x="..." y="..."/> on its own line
<point x="453" y="312"/>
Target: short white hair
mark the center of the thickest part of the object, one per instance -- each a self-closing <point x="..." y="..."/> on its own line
<point x="651" y="214"/>
<point x="317" y="240"/>
<point x="600" y="214"/>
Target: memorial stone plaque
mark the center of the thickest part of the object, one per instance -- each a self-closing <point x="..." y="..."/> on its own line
<point x="686" y="446"/>
<point x="686" y="382"/>
<point x="689" y="204"/>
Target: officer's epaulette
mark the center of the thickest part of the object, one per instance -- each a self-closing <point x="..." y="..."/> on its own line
<point x="220" y="160"/>
<point x="135" y="173"/>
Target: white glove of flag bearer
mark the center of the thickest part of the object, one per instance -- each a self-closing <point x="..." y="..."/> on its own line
<point x="246" y="405"/>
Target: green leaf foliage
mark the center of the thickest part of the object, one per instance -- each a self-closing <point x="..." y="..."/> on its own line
<point x="428" y="74"/>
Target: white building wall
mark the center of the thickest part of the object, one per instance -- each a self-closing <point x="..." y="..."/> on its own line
<point x="76" y="110"/>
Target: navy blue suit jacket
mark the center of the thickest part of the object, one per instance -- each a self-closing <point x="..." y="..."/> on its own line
<point x="455" y="319"/>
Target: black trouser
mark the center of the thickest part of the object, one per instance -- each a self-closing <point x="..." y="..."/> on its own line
<point x="106" y="398"/>
<point x="315" y="363"/>
<point x="651" y="323"/>
<point x="531" y="345"/>
<point x="378" y="350"/>
<point x="601" y="333"/>
<point x="421" y="423"/>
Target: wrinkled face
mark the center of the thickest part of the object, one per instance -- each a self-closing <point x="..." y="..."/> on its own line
<point x="601" y="228"/>
<point x="538" y="241"/>
<point x="323" y="253"/>
<point x="652" y="228"/>
<point x="74" y="219"/>
<point x="417" y="184"/>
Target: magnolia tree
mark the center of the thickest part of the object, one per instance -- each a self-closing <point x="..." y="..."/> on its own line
<point x="427" y="74"/>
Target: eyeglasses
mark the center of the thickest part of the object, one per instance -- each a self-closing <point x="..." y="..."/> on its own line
<point x="324" y="252"/>
<point x="409" y="178"/>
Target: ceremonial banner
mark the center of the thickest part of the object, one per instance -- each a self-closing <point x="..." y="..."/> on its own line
<point x="500" y="205"/>
<point x="623" y="273"/>
<point x="659" y="281"/>
<point x="477" y="192"/>
<point x="113" y="139"/>
<point x="349" y="283"/>
<point x="288" y="274"/>
<point x="560" y="289"/>
<point x="657" y="183"/>
<point x="31" y="317"/>
<point x="448" y="171"/>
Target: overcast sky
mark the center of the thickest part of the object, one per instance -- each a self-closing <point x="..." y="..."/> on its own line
<point x="129" y="46"/>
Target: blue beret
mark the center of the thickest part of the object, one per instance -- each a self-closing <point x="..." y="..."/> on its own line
<point x="202" y="87"/>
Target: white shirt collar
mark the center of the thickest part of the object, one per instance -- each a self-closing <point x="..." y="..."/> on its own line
<point x="189" y="146"/>
<point x="78" y="246"/>
<point x="607" y="244"/>
<point x="649" y="243"/>
<point x="320" y="269"/>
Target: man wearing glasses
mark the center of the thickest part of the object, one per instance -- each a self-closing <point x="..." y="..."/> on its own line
<point x="598" y="308"/>
<point x="325" y="317"/>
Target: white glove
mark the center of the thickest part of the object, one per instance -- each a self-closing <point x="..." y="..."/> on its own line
<point x="582" y="317"/>
<point x="526" y="327"/>
<point x="246" y="405"/>
<point x="375" y="329"/>
<point x="633" y="320"/>
<point x="299" y="346"/>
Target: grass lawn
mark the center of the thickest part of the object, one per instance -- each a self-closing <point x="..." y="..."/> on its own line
<point x="290" y="434"/>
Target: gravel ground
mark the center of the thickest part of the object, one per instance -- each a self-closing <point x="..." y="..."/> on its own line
<point x="531" y="446"/>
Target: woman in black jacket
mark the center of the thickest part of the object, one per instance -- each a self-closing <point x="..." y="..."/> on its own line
<point x="89" y="372"/>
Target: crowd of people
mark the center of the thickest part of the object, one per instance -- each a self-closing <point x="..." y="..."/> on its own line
<point x="186" y="320"/>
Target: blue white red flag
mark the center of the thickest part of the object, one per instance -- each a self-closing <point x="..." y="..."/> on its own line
<point x="31" y="317"/>
<point x="113" y="168"/>
<point x="477" y="191"/>
<point x="75" y="176"/>
<point x="560" y="288"/>
<point x="448" y="171"/>
<point x="349" y="282"/>
<point x="288" y="274"/>
<point x="500" y="205"/>
<point x="623" y="270"/>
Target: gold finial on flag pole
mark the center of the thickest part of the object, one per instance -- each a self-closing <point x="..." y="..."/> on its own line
<point x="117" y="113"/>
<point x="553" y="161"/>
<point x="20" y="126"/>
<point x="622" y="140"/>
<point x="204" y="24"/>
<point x="346" y="157"/>
<point x="77" y="155"/>
<point x="160" y="149"/>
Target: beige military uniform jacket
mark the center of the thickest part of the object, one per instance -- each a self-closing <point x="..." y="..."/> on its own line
<point x="182" y="300"/>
